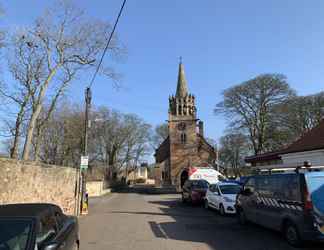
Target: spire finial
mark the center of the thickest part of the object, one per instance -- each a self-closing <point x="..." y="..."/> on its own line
<point x="180" y="59"/>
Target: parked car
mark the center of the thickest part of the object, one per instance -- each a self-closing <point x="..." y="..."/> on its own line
<point x="292" y="203"/>
<point x="37" y="226"/>
<point x="194" y="191"/>
<point x="222" y="196"/>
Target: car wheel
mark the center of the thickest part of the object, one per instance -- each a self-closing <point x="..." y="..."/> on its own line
<point x="206" y="203"/>
<point x="292" y="235"/>
<point x="222" y="210"/>
<point x="241" y="217"/>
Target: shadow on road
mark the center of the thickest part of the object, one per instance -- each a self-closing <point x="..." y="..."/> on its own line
<point x="159" y="214"/>
<point x="195" y="224"/>
<point x="144" y="189"/>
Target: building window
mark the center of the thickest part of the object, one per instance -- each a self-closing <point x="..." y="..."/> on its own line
<point x="183" y="138"/>
<point x="179" y="110"/>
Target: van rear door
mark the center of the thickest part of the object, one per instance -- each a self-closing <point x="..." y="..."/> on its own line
<point x="315" y="186"/>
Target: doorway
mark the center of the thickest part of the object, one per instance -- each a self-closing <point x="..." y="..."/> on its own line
<point x="184" y="177"/>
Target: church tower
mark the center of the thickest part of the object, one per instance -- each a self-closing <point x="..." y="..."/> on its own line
<point x="185" y="149"/>
<point x="182" y="126"/>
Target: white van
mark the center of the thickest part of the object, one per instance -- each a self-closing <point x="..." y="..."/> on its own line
<point x="209" y="174"/>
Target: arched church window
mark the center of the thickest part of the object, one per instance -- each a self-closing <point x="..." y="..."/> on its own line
<point x="179" y="110"/>
<point x="183" y="138"/>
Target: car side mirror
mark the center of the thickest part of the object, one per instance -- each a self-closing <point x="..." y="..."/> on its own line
<point x="50" y="246"/>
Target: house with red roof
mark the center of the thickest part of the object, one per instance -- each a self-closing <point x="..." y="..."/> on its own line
<point x="308" y="148"/>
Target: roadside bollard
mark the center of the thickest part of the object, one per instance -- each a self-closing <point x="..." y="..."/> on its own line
<point x="85" y="204"/>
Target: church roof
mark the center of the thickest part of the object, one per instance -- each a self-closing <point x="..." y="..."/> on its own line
<point x="163" y="152"/>
<point x="182" y="89"/>
<point x="205" y="145"/>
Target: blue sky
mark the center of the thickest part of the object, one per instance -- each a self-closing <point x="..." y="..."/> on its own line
<point x="222" y="43"/>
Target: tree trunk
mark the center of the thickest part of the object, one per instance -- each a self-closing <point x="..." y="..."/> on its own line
<point x="30" y="131"/>
<point x="14" y="149"/>
<point x="35" y="115"/>
<point x="38" y="142"/>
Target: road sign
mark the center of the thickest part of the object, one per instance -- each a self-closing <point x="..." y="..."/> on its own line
<point x="84" y="162"/>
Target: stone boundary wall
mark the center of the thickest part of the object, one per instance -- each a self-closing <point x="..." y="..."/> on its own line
<point x="29" y="182"/>
<point x="97" y="188"/>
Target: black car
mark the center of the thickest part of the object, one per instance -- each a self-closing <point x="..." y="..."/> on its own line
<point x="37" y="226"/>
<point x="194" y="191"/>
<point x="292" y="203"/>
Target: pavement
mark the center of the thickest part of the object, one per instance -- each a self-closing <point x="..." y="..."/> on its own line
<point x="137" y="221"/>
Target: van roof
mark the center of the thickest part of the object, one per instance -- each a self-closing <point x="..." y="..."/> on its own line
<point x="227" y="184"/>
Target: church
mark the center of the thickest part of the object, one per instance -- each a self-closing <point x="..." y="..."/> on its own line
<point x="185" y="147"/>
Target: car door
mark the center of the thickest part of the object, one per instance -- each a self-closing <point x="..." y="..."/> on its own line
<point x="186" y="190"/>
<point x="249" y="199"/>
<point x="211" y="194"/>
<point x="48" y="230"/>
<point x="217" y="197"/>
<point x="66" y="230"/>
<point x="272" y="204"/>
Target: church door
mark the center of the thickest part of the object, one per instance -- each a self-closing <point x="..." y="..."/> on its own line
<point x="184" y="177"/>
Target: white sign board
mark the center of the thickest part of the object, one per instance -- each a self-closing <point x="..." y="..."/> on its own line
<point x="84" y="162"/>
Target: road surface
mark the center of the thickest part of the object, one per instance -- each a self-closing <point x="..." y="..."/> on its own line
<point x="123" y="221"/>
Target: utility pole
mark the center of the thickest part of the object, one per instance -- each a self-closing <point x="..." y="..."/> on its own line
<point x="84" y="164"/>
<point x="88" y="97"/>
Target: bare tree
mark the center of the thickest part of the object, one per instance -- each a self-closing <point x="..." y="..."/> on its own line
<point x="60" y="142"/>
<point x="119" y="141"/>
<point x="249" y="106"/>
<point x="24" y="64"/>
<point x="65" y="43"/>
<point x="302" y="113"/>
<point x="160" y="133"/>
<point x="233" y="148"/>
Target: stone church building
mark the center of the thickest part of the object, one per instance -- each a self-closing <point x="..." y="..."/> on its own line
<point x="185" y="147"/>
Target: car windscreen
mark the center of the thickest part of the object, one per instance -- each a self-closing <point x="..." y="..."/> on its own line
<point x="200" y="184"/>
<point x="230" y="189"/>
<point x="315" y="184"/>
<point x="14" y="234"/>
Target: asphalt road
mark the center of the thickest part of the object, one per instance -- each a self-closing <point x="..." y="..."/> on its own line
<point x="152" y="222"/>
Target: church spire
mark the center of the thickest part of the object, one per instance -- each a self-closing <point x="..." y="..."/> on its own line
<point x="182" y="89"/>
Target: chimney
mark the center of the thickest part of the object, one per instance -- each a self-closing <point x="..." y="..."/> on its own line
<point x="201" y="128"/>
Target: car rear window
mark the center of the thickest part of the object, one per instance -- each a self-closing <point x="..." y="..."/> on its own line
<point x="14" y="233"/>
<point x="315" y="184"/>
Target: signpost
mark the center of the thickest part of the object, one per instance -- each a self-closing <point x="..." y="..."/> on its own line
<point x="84" y="162"/>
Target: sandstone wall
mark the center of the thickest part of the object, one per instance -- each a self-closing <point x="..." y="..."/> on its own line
<point x="97" y="188"/>
<point x="23" y="182"/>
